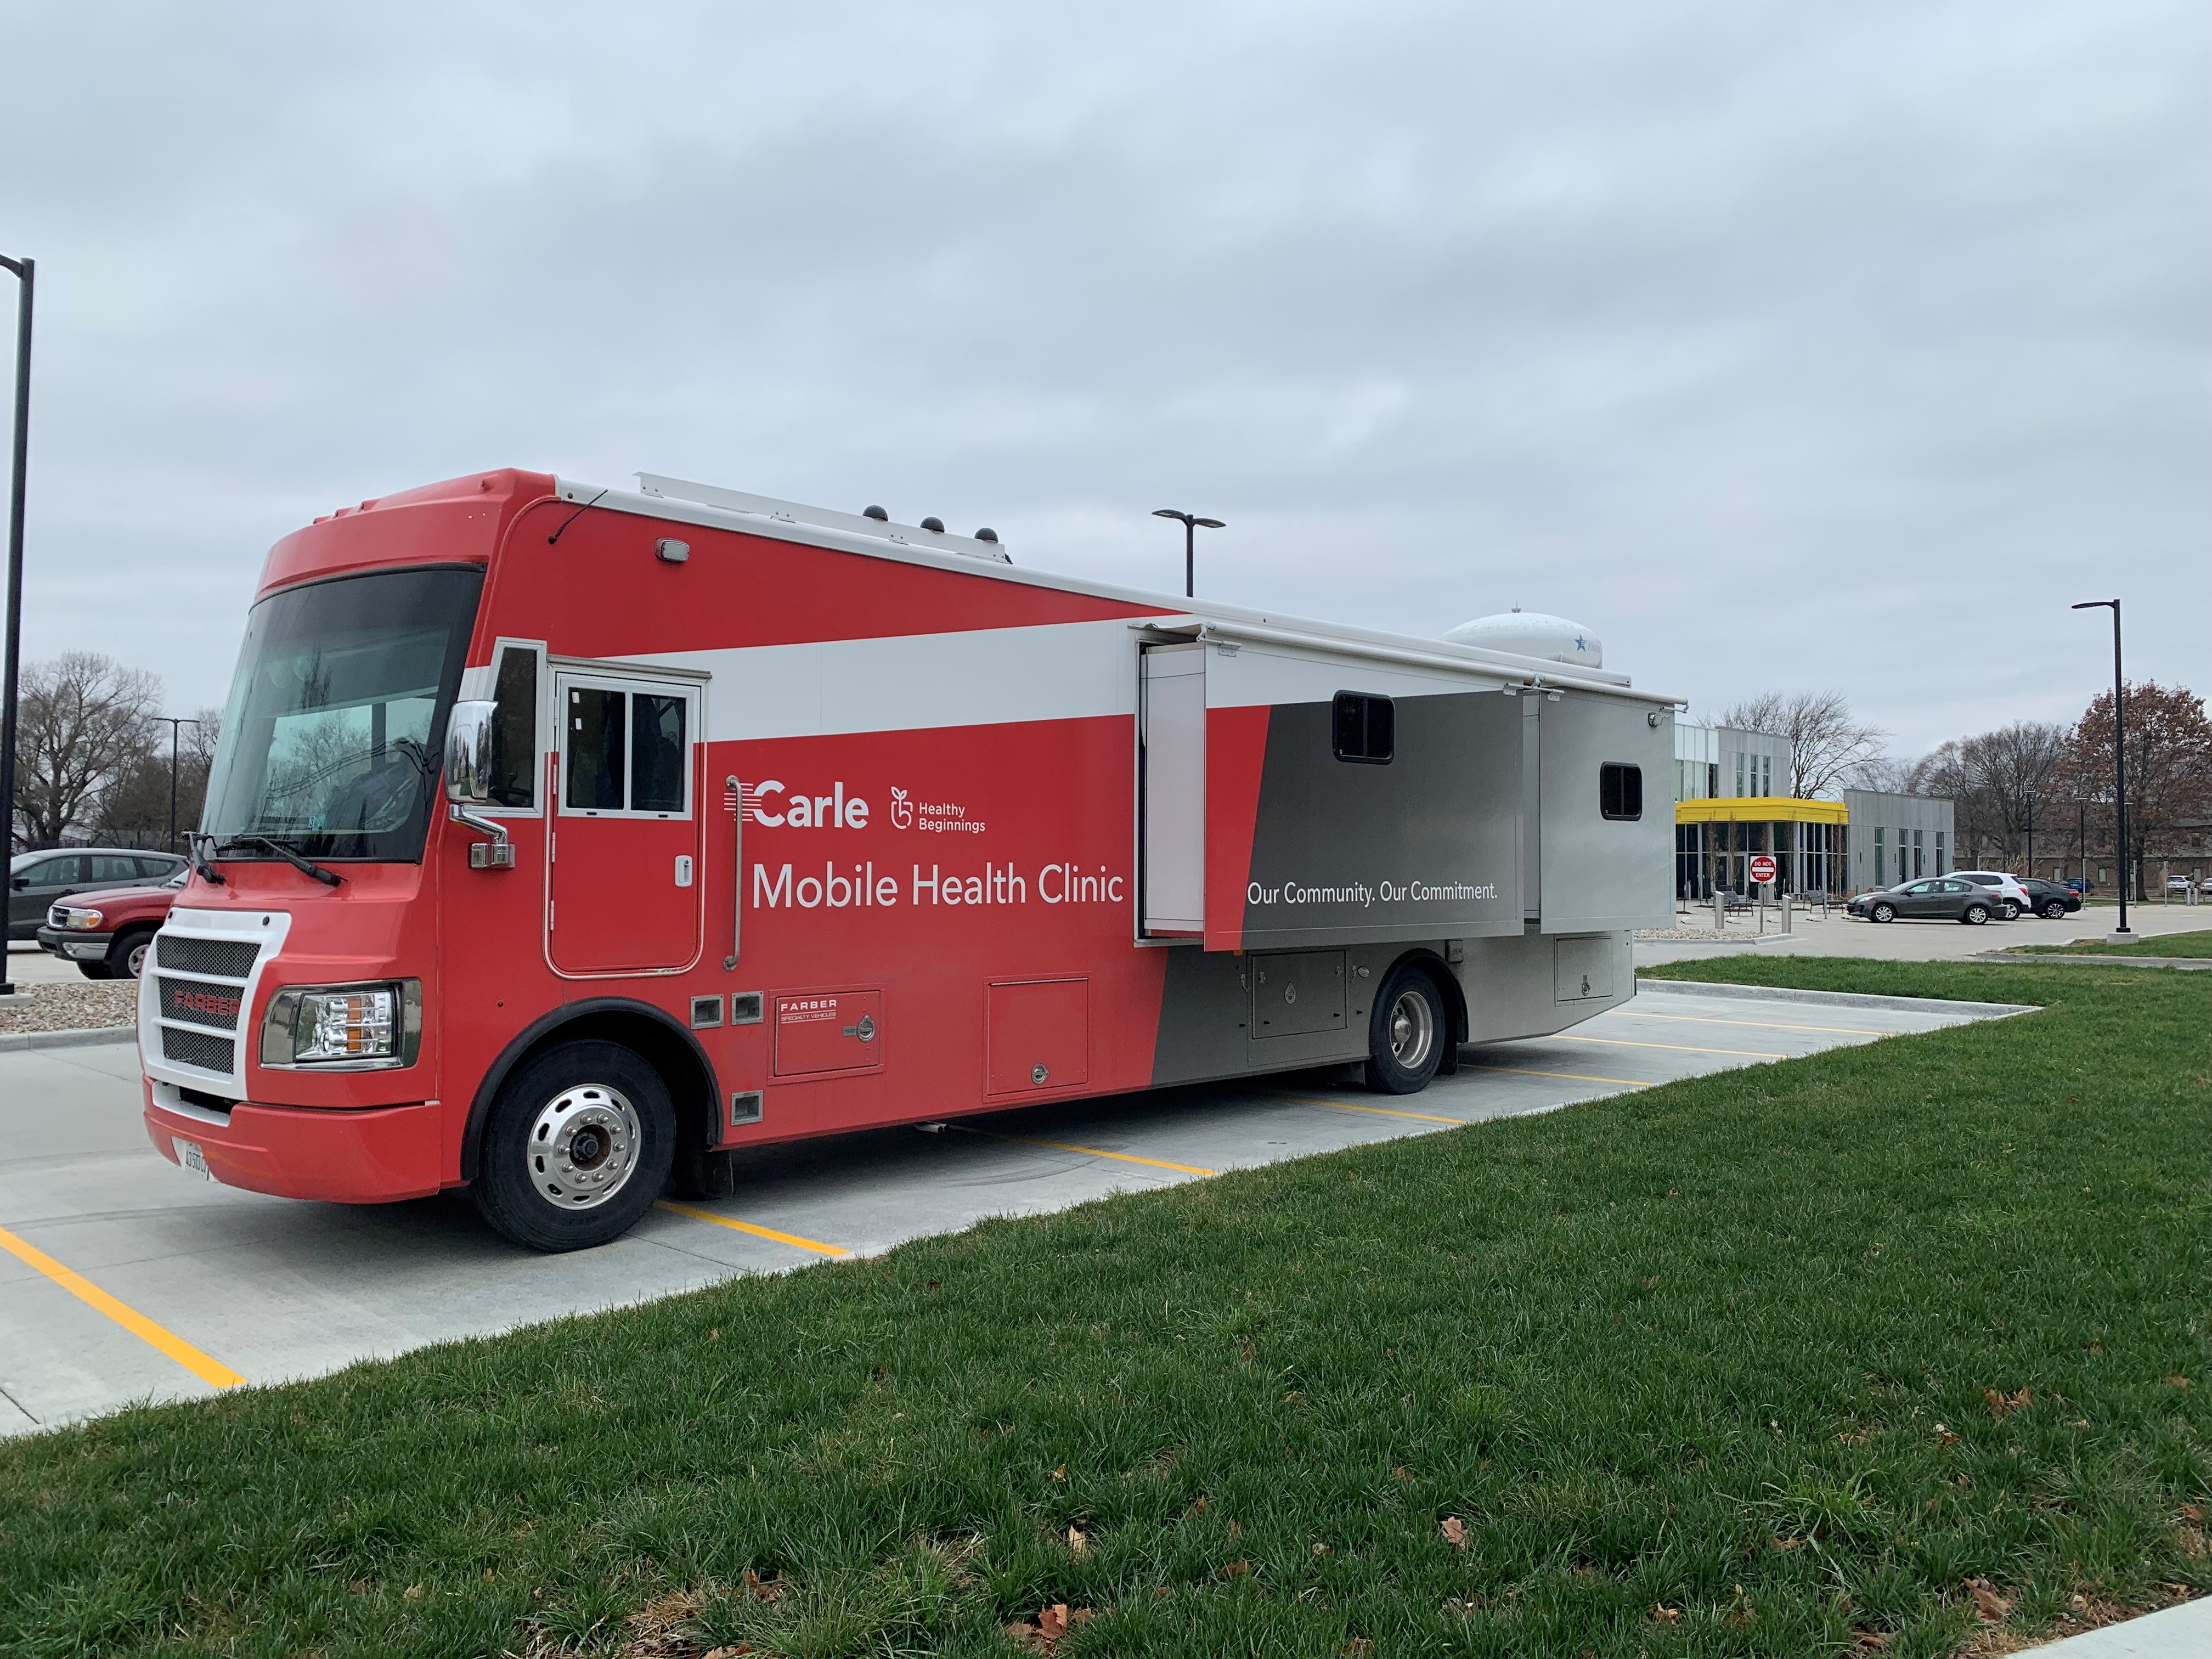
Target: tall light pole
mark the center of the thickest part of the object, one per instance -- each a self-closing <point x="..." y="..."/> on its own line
<point x="24" y="270"/>
<point x="176" y="723"/>
<point x="2119" y="756"/>
<point x="1191" y="525"/>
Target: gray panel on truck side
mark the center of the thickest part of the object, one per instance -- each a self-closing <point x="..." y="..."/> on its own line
<point x="1600" y="869"/>
<point x="1425" y="846"/>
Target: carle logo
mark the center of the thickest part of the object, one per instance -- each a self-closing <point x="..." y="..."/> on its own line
<point x="902" y="810"/>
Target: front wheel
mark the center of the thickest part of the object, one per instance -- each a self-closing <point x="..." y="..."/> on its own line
<point x="1976" y="915"/>
<point x="1406" y="1034"/>
<point x="1884" y="913"/>
<point x="578" y="1145"/>
<point x="96" y="970"/>
<point x="126" y="957"/>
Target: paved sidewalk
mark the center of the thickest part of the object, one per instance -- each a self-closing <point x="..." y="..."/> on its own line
<point x="2182" y="1632"/>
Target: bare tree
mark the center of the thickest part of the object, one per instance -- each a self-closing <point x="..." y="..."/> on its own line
<point x="134" y="810"/>
<point x="1827" y="745"/>
<point x="2000" y="784"/>
<point x="81" y="719"/>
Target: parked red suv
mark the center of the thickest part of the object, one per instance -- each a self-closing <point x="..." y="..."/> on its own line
<point x="107" y="932"/>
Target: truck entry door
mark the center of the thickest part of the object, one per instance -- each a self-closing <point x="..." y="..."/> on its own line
<point x="626" y="877"/>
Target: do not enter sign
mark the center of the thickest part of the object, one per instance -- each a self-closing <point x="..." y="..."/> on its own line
<point x="1762" y="868"/>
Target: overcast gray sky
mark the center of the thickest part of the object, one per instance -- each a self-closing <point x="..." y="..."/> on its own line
<point x="1785" y="346"/>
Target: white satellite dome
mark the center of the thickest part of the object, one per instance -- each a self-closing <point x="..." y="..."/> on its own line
<point x="1532" y="634"/>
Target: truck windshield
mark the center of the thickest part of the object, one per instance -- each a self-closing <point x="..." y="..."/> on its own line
<point x="329" y="740"/>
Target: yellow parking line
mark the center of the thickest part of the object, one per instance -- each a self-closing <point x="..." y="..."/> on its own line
<point x="212" y="1372"/>
<point x="1678" y="1048"/>
<point x="1573" y="1077"/>
<point x="1094" y="1151"/>
<point x="1762" y="1024"/>
<point x="736" y="1225"/>
<point x="1380" y="1111"/>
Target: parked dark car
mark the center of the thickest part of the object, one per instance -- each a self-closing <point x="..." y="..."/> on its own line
<point x="36" y="881"/>
<point x="2051" y="899"/>
<point x="108" y="933"/>
<point x="1938" y="898"/>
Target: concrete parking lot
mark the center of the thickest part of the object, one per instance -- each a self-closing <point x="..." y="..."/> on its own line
<point x="1812" y="934"/>
<point x="122" y="1278"/>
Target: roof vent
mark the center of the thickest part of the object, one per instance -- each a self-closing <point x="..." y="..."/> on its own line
<point x="877" y="513"/>
<point x="936" y="526"/>
<point x="1532" y="634"/>
<point x="987" y="534"/>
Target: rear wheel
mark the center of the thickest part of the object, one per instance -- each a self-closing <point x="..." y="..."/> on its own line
<point x="578" y="1145"/>
<point x="126" y="957"/>
<point x="2011" y="910"/>
<point x="1976" y="915"/>
<point x="1405" y="1034"/>
<point x="2053" y="909"/>
<point x="1884" y="913"/>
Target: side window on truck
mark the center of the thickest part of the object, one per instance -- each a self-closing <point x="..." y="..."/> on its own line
<point x="514" y="731"/>
<point x="626" y="752"/>
<point x="1621" y="790"/>
<point x="595" y="749"/>
<point x="1362" y="728"/>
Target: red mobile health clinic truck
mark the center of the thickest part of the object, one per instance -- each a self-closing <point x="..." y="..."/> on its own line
<point x="563" y="843"/>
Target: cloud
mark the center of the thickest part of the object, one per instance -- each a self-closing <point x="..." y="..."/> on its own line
<point x="1785" y="349"/>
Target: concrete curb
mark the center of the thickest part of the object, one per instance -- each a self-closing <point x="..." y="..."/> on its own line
<point x="1833" y="998"/>
<point x="16" y="1041"/>
<point x="2187" y="964"/>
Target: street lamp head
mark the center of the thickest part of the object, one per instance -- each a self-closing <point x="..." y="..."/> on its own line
<point x="2097" y="605"/>
<point x="1171" y="512"/>
<point x="1209" y="523"/>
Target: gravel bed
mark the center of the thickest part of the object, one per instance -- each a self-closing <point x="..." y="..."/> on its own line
<point x="1688" y="932"/>
<point x="89" y="1006"/>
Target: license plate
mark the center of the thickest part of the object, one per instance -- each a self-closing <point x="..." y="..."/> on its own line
<point x="190" y="1157"/>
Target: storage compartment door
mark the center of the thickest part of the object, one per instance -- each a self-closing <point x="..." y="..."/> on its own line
<point x="819" y="1031"/>
<point x="1039" y="1036"/>
<point x="1297" y="994"/>
<point x="1171" y="762"/>
<point x="1605" y="814"/>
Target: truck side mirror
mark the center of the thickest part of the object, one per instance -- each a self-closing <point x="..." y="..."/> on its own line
<point x="468" y="753"/>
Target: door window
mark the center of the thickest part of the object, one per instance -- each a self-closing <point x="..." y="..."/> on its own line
<point x="657" y="768"/>
<point x="112" y="866"/>
<point x="595" y="749"/>
<point x="515" y="729"/>
<point x="626" y="750"/>
<point x="59" y="872"/>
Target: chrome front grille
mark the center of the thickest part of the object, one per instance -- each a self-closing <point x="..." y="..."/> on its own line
<point x="225" y="958"/>
<point x="199" y="1048"/>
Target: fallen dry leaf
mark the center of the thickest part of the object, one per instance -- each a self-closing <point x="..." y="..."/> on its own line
<point x="1944" y="1436"/>
<point x="1454" y="1531"/>
<point x="1402" y="1473"/>
<point x="1360" y="1644"/>
<point x="1661" y="1614"/>
<point x="2192" y="1511"/>
<point x="1052" y="1621"/>
<point x="1061" y="1474"/>
<point x="1079" y="1541"/>
<point x="2176" y="1380"/>
<point x="1871" y="1641"/>
<point x="1236" y="1570"/>
<point x="737" y="1652"/>
<point x="1788" y="1543"/>
<point x="2002" y="1405"/>
<point x="1987" y="1602"/>
<point x="1322" y="1549"/>
<point x="413" y="1592"/>
<point x="1473" y="1604"/>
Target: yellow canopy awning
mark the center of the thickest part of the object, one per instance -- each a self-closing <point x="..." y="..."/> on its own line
<point x="1760" y="809"/>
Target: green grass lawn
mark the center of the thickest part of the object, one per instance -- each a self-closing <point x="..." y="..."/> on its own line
<point x="2167" y="945"/>
<point x="1773" y="1362"/>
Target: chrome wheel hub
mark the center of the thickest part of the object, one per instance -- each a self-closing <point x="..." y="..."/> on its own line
<point x="583" y="1146"/>
<point x="1413" y="1029"/>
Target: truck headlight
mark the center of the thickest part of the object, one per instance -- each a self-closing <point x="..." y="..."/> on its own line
<point x="80" y="921"/>
<point x="344" y="1027"/>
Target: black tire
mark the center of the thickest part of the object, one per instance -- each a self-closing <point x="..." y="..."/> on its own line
<point x="126" y="957"/>
<point x="1975" y="915"/>
<point x="1883" y="913"/>
<point x="540" y="1172"/>
<point x="2053" y="909"/>
<point x="1405" y="1034"/>
<point x="96" y="970"/>
<point x="2012" y="910"/>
